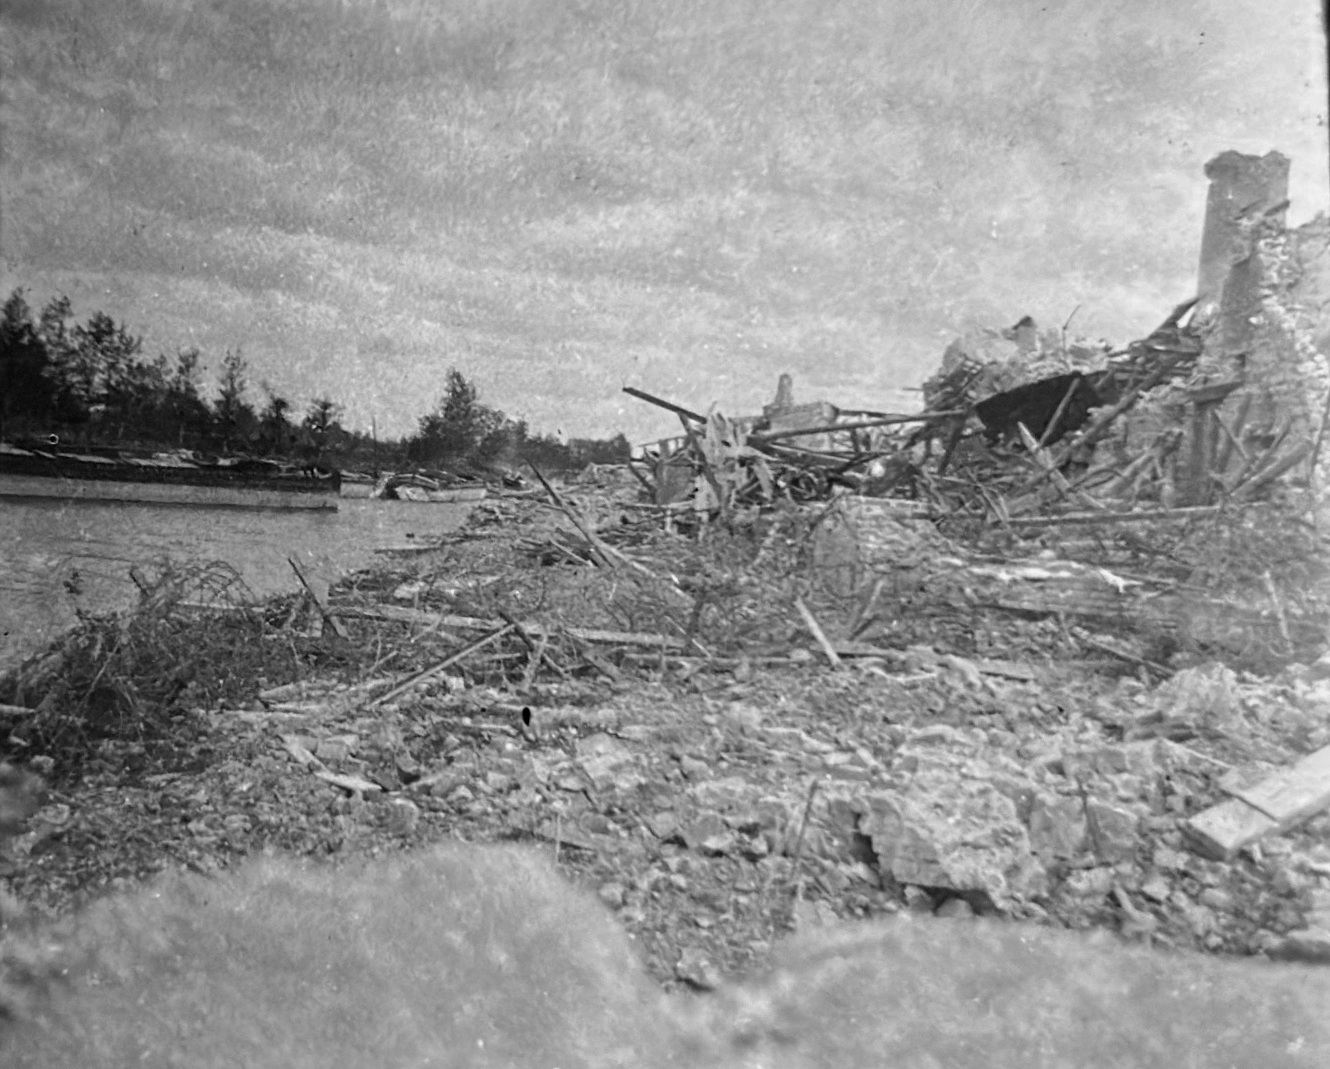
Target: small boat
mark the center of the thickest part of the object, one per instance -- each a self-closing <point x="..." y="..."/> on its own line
<point x="357" y="484"/>
<point x="410" y="486"/>
<point x="44" y="469"/>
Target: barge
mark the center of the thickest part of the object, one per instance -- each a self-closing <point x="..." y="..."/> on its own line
<point x="40" y="469"/>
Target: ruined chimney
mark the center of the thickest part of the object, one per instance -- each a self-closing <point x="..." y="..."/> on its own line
<point x="1242" y="190"/>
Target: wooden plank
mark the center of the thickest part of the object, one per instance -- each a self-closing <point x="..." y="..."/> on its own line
<point x="354" y="784"/>
<point x="1222" y="830"/>
<point x="986" y="665"/>
<point x="1276" y="804"/>
<point x="401" y="614"/>
<point x="317" y="589"/>
<point x="669" y="406"/>
<point x="863" y="424"/>
<point x="1071" y="518"/>
<point x="811" y="621"/>
<point x="434" y="669"/>
<point x="1293" y="794"/>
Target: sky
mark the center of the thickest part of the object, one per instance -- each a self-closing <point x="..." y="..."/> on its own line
<point x="563" y="197"/>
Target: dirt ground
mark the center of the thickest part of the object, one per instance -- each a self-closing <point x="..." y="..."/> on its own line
<point x="717" y="789"/>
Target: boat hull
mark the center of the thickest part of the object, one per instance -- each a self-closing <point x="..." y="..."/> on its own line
<point x="448" y="496"/>
<point x="70" y="488"/>
<point x="81" y="478"/>
<point x="357" y="489"/>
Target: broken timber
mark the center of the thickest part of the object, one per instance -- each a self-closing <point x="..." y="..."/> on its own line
<point x="401" y="614"/>
<point x="317" y="589"/>
<point x="1276" y="804"/>
<point x="1074" y="518"/>
<point x="669" y="406"/>
<point x="883" y="421"/>
<point x="434" y="669"/>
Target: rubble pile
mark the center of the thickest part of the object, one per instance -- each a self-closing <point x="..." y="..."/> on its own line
<point x="1052" y="649"/>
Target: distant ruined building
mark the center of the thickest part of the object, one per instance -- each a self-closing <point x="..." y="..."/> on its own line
<point x="1226" y="401"/>
<point x="1246" y="390"/>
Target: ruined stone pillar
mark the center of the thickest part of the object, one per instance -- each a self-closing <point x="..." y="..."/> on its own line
<point x="1243" y="189"/>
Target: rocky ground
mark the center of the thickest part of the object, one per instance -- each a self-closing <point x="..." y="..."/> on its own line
<point x="715" y="791"/>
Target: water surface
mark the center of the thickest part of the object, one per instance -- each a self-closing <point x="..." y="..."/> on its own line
<point x="59" y="556"/>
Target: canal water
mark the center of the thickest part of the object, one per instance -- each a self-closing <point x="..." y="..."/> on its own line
<point x="57" y="557"/>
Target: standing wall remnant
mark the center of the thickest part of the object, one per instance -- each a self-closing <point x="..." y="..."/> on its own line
<point x="1244" y="191"/>
<point x="1256" y="284"/>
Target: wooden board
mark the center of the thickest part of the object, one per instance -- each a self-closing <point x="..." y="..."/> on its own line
<point x="1277" y="803"/>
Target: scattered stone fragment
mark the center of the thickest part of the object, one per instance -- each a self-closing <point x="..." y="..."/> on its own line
<point x="1112" y="832"/>
<point x="956" y="907"/>
<point x="498" y="782"/>
<point x="813" y="913"/>
<point x="1091" y="883"/>
<point x="1134" y="923"/>
<point x="1308" y="944"/>
<point x="336" y="748"/>
<point x="1057" y="827"/>
<point x="709" y="835"/>
<point x="956" y="833"/>
<point x="1156" y="888"/>
<point x="697" y="970"/>
<point x="693" y="768"/>
<point x="1216" y="899"/>
<point x="1196" y="700"/>
<point x="663" y="825"/>
<point x="1134" y="757"/>
<point x="403" y="816"/>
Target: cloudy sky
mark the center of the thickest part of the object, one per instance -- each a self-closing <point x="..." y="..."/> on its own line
<point x="562" y="197"/>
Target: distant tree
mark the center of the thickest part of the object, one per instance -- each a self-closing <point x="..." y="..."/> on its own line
<point x="232" y="416"/>
<point x="88" y="374"/>
<point x="26" y="390"/>
<point x="614" y="450"/>
<point x="461" y="430"/>
<point x="548" y="453"/>
<point x="449" y="432"/>
<point x="492" y="436"/>
<point x="185" y="411"/>
<point x="320" y="425"/>
<point x="275" y="430"/>
<point x="68" y="409"/>
<point x="362" y="451"/>
<point x="55" y="334"/>
<point x="103" y="370"/>
<point x="141" y="400"/>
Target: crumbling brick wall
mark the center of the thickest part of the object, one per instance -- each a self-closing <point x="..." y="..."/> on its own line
<point x="1263" y="294"/>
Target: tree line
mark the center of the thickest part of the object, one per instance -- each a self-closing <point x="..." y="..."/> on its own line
<point x="89" y="382"/>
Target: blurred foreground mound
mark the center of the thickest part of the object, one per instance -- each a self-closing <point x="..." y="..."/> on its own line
<point x="466" y="956"/>
<point x="453" y="957"/>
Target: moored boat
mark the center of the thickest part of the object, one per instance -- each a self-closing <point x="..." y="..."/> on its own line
<point x="409" y="486"/>
<point x="39" y="469"/>
<point x="357" y="484"/>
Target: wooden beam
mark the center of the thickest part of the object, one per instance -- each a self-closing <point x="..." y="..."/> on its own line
<point x="1277" y="803"/>
<point x="318" y="592"/>
<point x="669" y="406"/>
<point x="401" y="614"/>
<point x="1139" y="516"/>
<point x="434" y="669"/>
<point x="832" y="428"/>
<point x="811" y="622"/>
